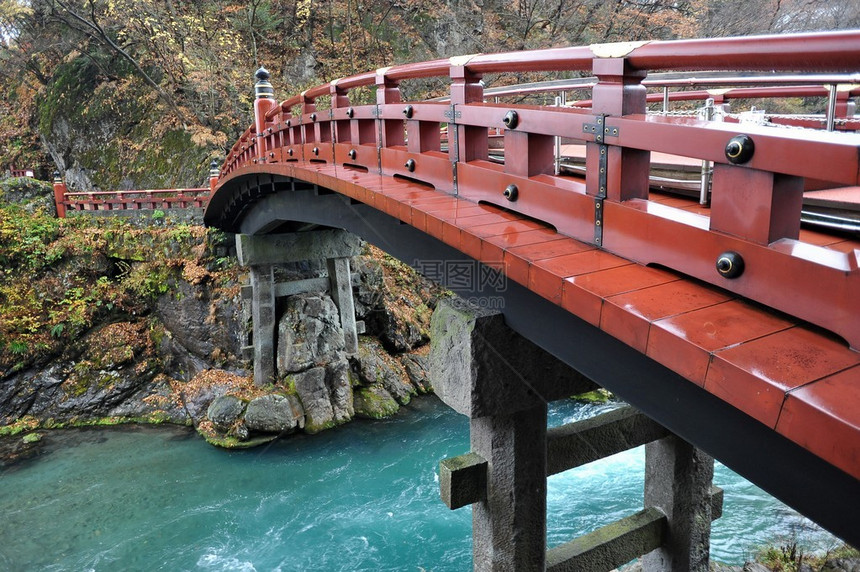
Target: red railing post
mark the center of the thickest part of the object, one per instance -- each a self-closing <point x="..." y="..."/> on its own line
<point x="472" y="142"/>
<point x="60" y="195"/>
<point x="264" y="101"/>
<point x="214" y="173"/>
<point x="388" y="91"/>
<point x="339" y="100"/>
<point x="619" y="91"/>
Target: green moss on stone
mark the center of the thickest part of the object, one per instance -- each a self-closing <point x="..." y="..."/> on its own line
<point x="26" y="423"/>
<point x="599" y="395"/>
<point x="374" y="402"/>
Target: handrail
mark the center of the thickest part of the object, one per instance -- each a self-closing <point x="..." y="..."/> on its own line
<point x="127" y="199"/>
<point x="196" y="190"/>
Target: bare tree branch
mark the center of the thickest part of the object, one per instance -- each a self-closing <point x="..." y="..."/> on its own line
<point x="102" y="36"/>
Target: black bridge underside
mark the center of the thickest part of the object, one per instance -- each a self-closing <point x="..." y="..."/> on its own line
<point x="262" y="204"/>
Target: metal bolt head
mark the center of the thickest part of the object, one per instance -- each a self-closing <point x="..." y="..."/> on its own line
<point x="511" y="192"/>
<point x="289" y="122"/>
<point x="730" y="264"/>
<point x="313" y="116"/>
<point x="352" y="154"/>
<point x="350" y="112"/>
<point x="316" y="150"/>
<point x="290" y="152"/>
<point x="511" y="119"/>
<point x="408" y="111"/>
<point x="740" y="149"/>
<point x="410" y="165"/>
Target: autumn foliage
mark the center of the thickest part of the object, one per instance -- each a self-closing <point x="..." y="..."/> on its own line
<point x="178" y="74"/>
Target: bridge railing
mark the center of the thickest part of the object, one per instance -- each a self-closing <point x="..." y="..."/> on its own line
<point x="151" y="199"/>
<point x="136" y="200"/>
<point x="747" y="242"/>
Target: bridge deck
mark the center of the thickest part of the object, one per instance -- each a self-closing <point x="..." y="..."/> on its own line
<point x="796" y="379"/>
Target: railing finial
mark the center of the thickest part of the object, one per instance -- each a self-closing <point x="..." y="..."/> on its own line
<point x="263" y="89"/>
<point x="214" y="174"/>
<point x="264" y="101"/>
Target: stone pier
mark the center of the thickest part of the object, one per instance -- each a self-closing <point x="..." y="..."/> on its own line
<point x="503" y="383"/>
<point x="261" y="253"/>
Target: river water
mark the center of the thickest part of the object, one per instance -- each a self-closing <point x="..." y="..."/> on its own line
<point x="361" y="497"/>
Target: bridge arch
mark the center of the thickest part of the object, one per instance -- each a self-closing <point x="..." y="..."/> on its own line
<point x="780" y="466"/>
<point x="775" y="399"/>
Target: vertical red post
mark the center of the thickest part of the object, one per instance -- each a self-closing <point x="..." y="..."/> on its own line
<point x="309" y="130"/>
<point x="214" y="173"/>
<point x="264" y="101"/>
<point x="340" y="100"/>
<point x="388" y="91"/>
<point x="619" y="91"/>
<point x="758" y="206"/>
<point x="60" y="195"/>
<point x="472" y="141"/>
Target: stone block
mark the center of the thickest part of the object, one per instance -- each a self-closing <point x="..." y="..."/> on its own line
<point x="463" y="480"/>
<point x="480" y="367"/>
<point x="295" y="247"/>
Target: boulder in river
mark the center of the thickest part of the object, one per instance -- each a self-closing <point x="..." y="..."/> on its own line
<point x="225" y="411"/>
<point x="275" y="413"/>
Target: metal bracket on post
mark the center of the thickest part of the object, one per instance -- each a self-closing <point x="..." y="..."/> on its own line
<point x="600" y="131"/>
<point x="453" y="145"/>
<point x="377" y="114"/>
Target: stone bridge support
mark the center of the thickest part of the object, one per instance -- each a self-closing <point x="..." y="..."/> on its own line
<point x="503" y="383"/>
<point x="261" y="253"/>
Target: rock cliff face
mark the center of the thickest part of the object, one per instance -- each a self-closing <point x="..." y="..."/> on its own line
<point x="170" y="349"/>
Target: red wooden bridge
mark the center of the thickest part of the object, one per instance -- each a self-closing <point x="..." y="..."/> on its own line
<point x="728" y="322"/>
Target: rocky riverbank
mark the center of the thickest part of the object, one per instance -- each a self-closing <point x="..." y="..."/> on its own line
<point x="111" y="321"/>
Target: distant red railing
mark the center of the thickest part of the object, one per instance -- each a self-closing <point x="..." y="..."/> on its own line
<point x="136" y="200"/>
<point x="155" y="199"/>
<point x="20" y="172"/>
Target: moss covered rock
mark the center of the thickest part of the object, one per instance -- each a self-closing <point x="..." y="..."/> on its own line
<point x="374" y="402"/>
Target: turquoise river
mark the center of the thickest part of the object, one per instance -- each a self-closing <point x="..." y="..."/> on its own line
<point x="361" y="497"/>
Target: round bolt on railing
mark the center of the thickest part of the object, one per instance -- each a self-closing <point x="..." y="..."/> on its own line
<point x="511" y="192"/>
<point x="316" y="150"/>
<point x="289" y="123"/>
<point x="352" y="154"/>
<point x="290" y="152"/>
<point x="410" y="165"/>
<point x="740" y="149"/>
<point x="730" y="264"/>
<point x="313" y="116"/>
<point x="408" y="111"/>
<point x="511" y="119"/>
<point x="350" y="112"/>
